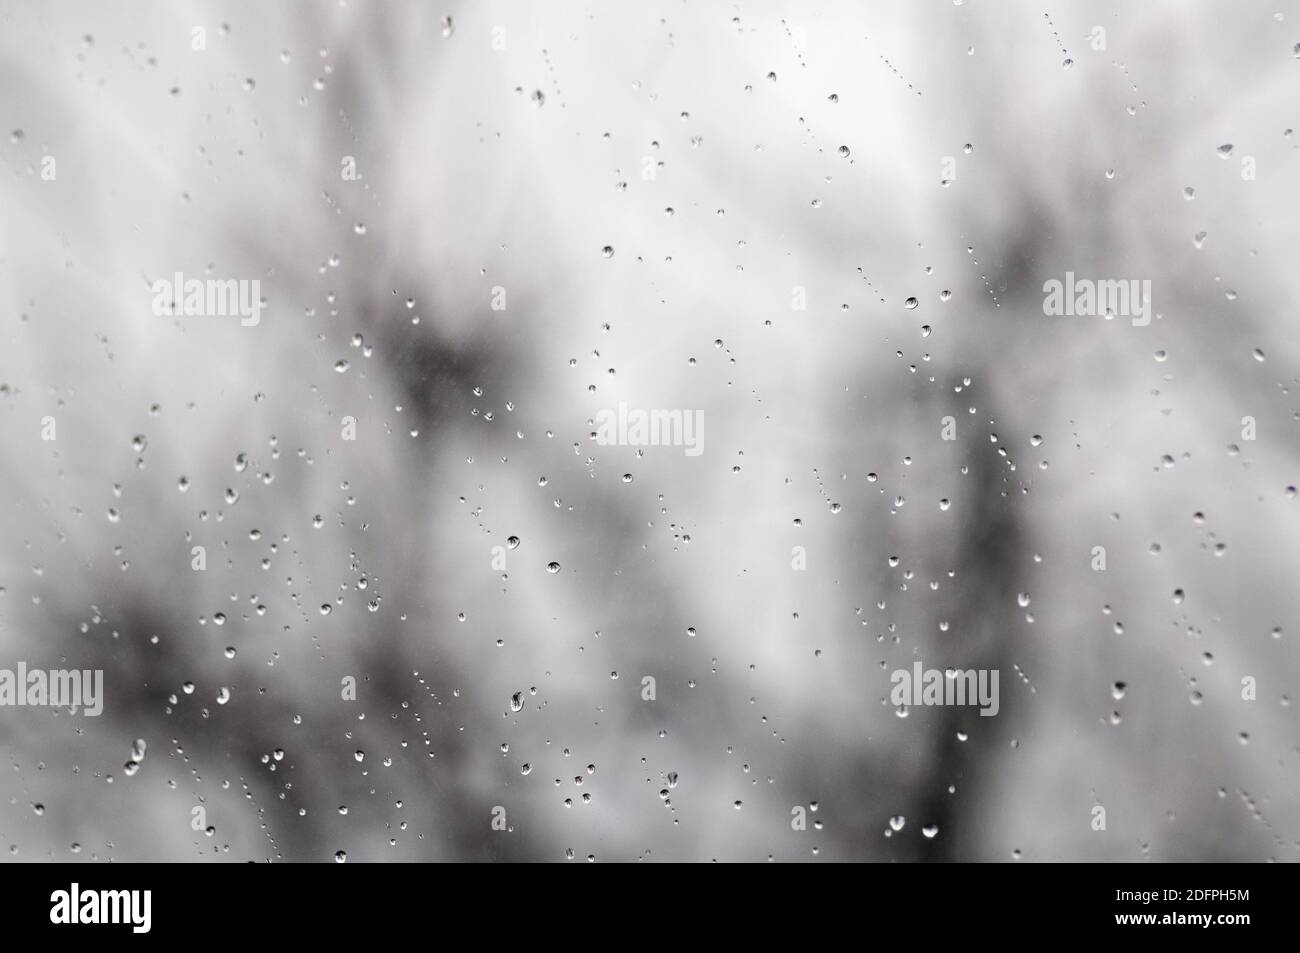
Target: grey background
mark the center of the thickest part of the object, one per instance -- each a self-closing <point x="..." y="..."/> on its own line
<point x="169" y="159"/>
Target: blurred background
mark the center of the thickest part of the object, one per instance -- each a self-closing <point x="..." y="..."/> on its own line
<point x="477" y="225"/>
